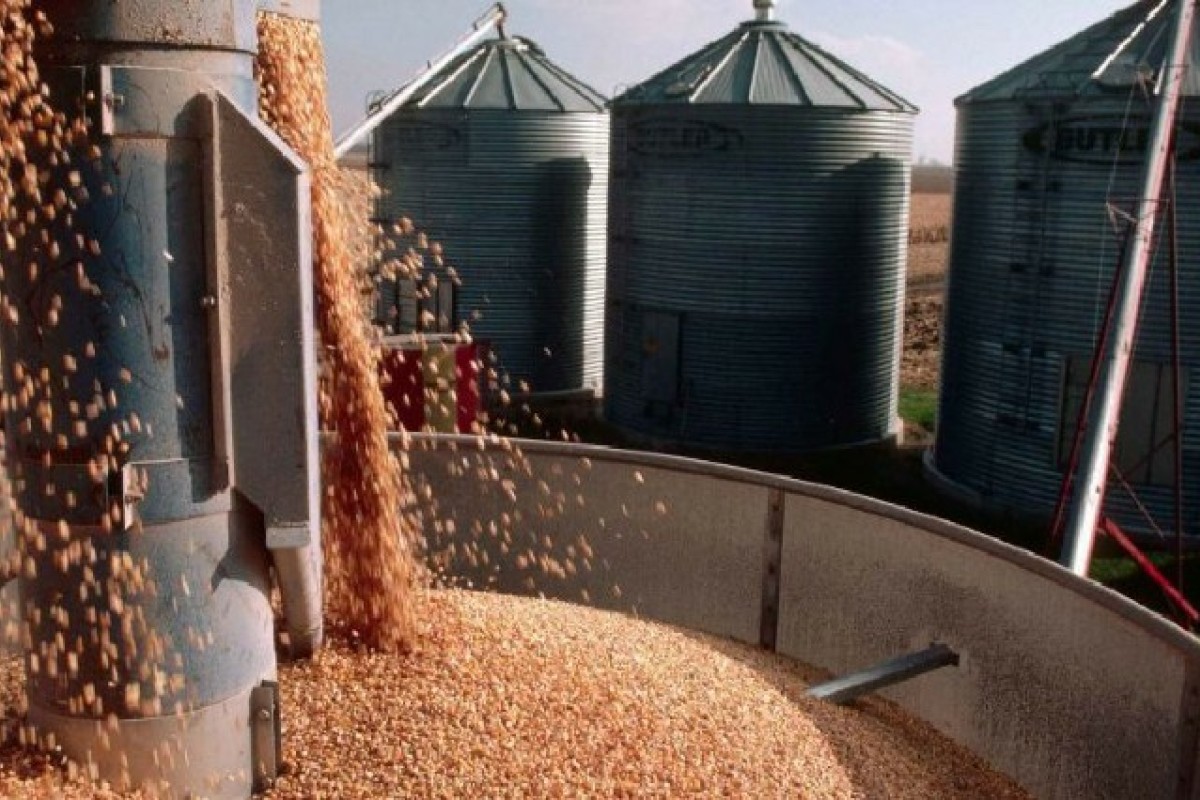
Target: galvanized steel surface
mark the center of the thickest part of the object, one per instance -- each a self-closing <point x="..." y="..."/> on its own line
<point x="756" y="263"/>
<point x="1127" y="48"/>
<point x="518" y="195"/>
<point x="507" y="73"/>
<point x="1034" y="251"/>
<point x="212" y="24"/>
<point x="763" y="63"/>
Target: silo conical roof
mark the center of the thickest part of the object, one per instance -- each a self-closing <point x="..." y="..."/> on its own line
<point x="507" y="74"/>
<point x="1127" y="48"/>
<point x="764" y="63"/>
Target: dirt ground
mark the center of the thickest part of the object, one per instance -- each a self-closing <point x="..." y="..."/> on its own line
<point x="928" y="251"/>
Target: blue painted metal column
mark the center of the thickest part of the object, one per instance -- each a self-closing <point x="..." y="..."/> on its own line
<point x="151" y="491"/>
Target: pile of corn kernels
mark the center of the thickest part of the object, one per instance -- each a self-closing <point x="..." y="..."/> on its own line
<point x="508" y="697"/>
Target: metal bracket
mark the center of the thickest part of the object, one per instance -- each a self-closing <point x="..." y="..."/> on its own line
<point x="772" y="564"/>
<point x="266" y="735"/>
<point x="127" y="486"/>
<point x="1189" y="733"/>
<point x="845" y="690"/>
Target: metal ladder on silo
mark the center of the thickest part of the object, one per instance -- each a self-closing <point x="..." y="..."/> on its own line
<point x="1028" y="271"/>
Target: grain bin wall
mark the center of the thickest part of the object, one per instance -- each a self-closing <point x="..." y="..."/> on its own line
<point x="1049" y="159"/>
<point x="504" y="160"/>
<point x="757" y="246"/>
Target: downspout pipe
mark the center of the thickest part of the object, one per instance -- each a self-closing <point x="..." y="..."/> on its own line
<point x="298" y="570"/>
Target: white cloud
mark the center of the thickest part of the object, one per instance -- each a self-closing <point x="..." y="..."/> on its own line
<point x="874" y="54"/>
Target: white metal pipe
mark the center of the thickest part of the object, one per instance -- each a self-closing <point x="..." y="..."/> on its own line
<point x="300" y="586"/>
<point x="764" y="10"/>
<point x="492" y="19"/>
<point x="1105" y="416"/>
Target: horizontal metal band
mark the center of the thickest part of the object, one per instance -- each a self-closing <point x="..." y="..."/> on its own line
<point x="154" y="493"/>
<point x="212" y="24"/>
<point x="206" y="753"/>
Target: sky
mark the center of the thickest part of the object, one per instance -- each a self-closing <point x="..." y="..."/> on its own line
<point x="929" y="51"/>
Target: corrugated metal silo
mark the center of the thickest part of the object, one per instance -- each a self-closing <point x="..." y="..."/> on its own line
<point x="1049" y="157"/>
<point x="503" y="157"/>
<point x="757" y="242"/>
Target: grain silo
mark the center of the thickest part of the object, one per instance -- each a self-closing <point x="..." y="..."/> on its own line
<point x="502" y="156"/>
<point x="757" y="242"/>
<point x="1049" y="160"/>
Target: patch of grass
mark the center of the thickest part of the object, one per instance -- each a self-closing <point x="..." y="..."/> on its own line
<point x="1112" y="570"/>
<point x="919" y="407"/>
<point x="1123" y="575"/>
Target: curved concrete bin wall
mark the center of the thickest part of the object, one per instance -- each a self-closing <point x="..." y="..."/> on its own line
<point x="1067" y="687"/>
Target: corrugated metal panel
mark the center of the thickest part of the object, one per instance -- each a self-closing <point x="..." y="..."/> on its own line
<point x="453" y="89"/>
<point x="763" y="63"/>
<point x="777" y="235"/>
<point x="775" y="74"/>
<point x="1033" y="256"/>
<point x="1127" y="48"/>
<point x="519" y="199"/>
<point x="507" y="74"/>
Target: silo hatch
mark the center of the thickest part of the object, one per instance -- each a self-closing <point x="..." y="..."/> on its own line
<point x="662" y="341"/>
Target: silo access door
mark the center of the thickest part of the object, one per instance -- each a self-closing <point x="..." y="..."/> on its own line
<point x="662" y="343"/>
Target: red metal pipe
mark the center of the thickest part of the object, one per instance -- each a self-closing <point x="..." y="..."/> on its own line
<point x="1085" y="408"/>
<point x="1114" y="532"/>
<point x="1137" y="501"/>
